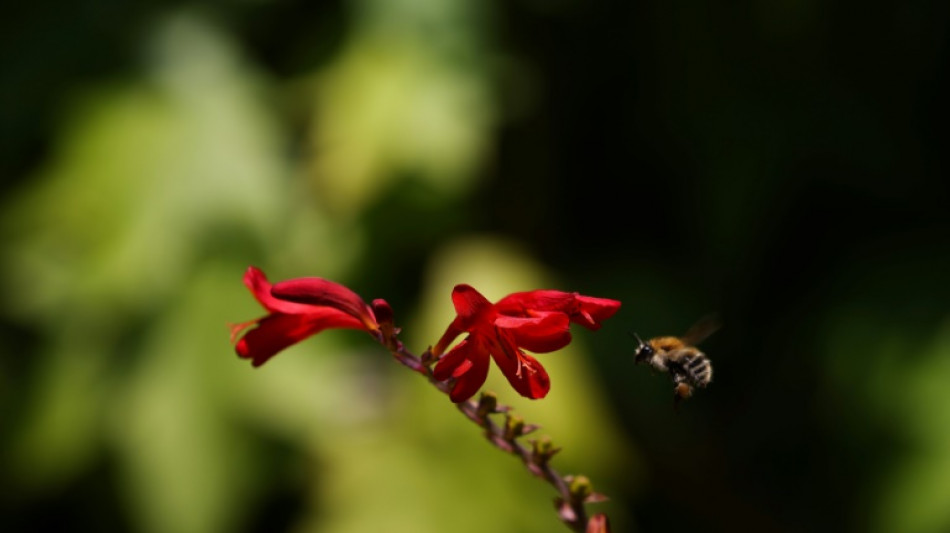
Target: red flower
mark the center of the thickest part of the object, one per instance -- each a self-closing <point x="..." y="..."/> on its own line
<point x="298" y="309"/>
<point x="598" y="524"/>
<point x="537" y="321"/>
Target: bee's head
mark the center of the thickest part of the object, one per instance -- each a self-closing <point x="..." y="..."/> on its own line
<point x="644" y="351"/>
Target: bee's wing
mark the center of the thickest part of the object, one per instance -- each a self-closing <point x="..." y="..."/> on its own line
<point x="703" y="328"/>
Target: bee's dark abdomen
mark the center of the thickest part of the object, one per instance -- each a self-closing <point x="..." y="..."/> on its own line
<point x="698" y="368"/>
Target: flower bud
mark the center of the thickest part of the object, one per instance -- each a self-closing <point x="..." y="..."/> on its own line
<point x="487" y="404"/>
<point x="514" y="427"/>
<point x="384" y="317"/>
<point x="580" y="488"/>
<point x="543" y="450"/>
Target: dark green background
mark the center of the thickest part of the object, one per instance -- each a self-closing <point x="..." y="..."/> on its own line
<point x="781" y="163"/>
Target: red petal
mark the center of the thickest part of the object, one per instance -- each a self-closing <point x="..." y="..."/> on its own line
<point x="278" y="331"/>
<point x="448" y="363"/>
<point x="542" y="334"/>
<point x="468" y="364"/>
<point x="468" y="384"/>
<point x="534" y="382"/>
<point x="585" y="310"/>
<point x="598" y="524"/>
<point x="325" y="293"/>
<point x="469" y="304"/>
<point x="255" y="280"/>
<point x="524" y="303"/>
<point x="524" y="372"/>
<point x="593" y="311"/>
<point x="451" y="332"/>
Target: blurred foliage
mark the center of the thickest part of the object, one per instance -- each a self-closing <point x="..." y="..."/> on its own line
<point x="780" y="163"/>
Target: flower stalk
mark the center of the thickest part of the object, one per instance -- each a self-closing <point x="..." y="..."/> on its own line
<point x="574" y="492"/>
<point x="537" y="321"/>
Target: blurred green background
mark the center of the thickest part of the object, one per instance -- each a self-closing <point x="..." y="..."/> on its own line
<point x="781" y="163"/>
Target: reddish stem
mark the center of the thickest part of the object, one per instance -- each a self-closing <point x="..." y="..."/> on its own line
<point x="575" y="514"/>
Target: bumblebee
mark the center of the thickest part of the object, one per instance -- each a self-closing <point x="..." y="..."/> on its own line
<point x="678" y="356"/>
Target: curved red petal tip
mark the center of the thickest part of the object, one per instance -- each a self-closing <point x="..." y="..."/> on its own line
<point x="384" y="317"/>
<point x="256" y="281"/>
<point x="382" y="310"/>
<point x="252" y="276"/>
<point x="538" y="382"/>
<point x="469" y="303"/>
<point x="598" y="524"/>
<point x="592" y="311"/>
<point x="523" y="372"/>
<point x="260" y="287"/>
<point x="322" y="292"/>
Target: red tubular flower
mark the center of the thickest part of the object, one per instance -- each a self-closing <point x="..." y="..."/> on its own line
<point x="537" y="321"/>
<point x="298" y="309"/>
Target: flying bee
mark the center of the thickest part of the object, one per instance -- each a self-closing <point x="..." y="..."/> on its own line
<point x="678" y="356"/>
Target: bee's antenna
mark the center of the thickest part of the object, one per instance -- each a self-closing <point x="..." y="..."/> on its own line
<point x="635" y="336"/>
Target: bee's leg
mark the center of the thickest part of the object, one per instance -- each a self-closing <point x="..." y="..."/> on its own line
<point x="681" y="391"/>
